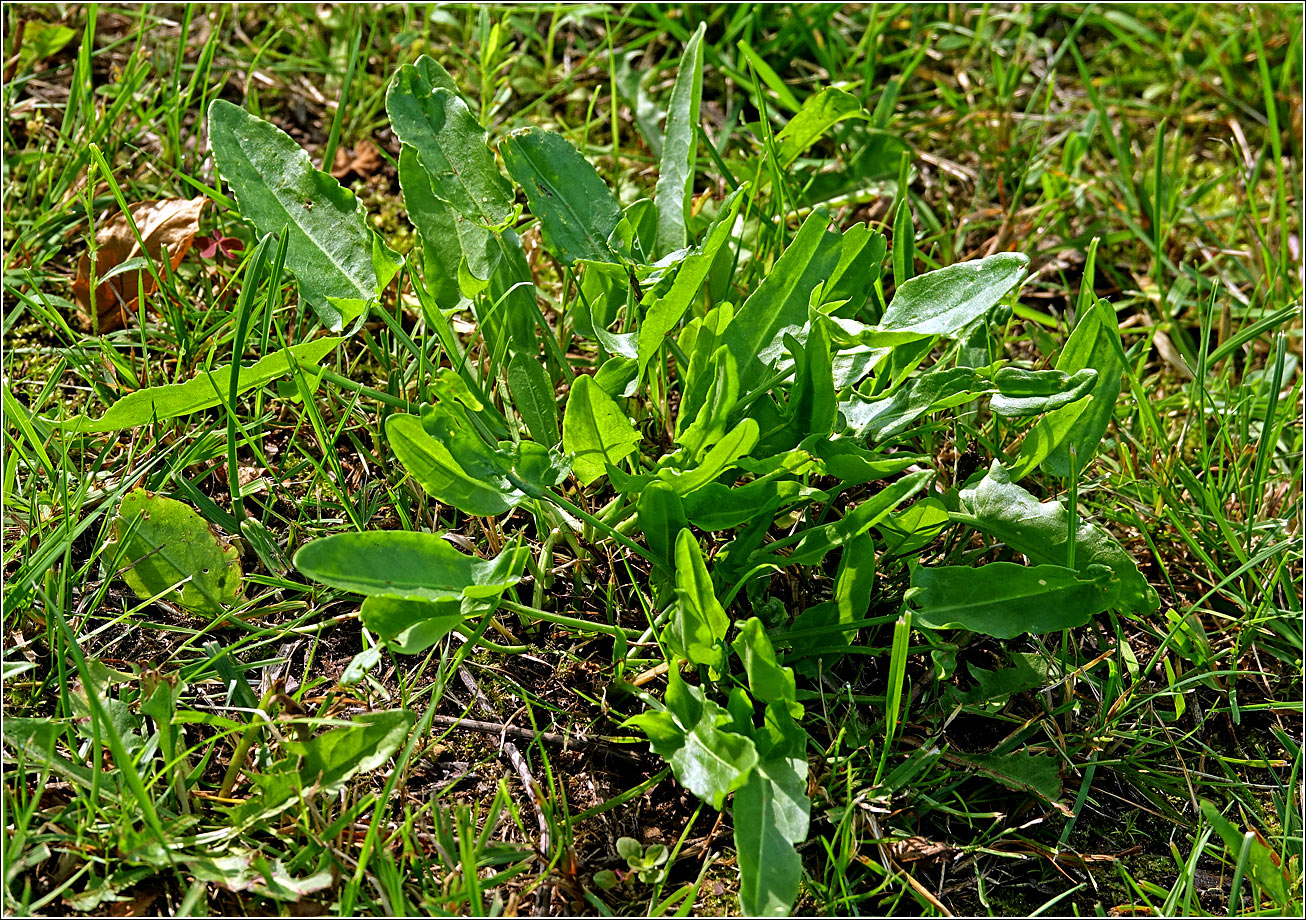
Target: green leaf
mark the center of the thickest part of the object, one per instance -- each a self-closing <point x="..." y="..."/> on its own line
<point x="815" y="542"/>
<point x="779" y="304"/>
<point x="675" y="185"/>
<point x="576" y="210"/>
<point x="1262" y="863"/>
<point x="710" y="424"/>
<point x="853" y="583"/>
<point x="767" y="681"/>
<point x="1024" y="772"/>
<point x="451" y="146"/>
<point x="1041" y="530"/>
<point x="661" y="519"/>
<point x="771" y="816"/>
<point x="437" y="228"/>
<point x="276" y="187"/>
<point x="460" y="167"/>
<point x="723" y="455"/>
<point x="945" y="301"/>
<point x="708" y="762"/>
<point x="1051" y="430"/>
<point x="861" y="253"/>
<point x="457" y="468"/>
<point x="158" y="542"/>
<point x="404" y="564"/>
<point x="1022" y="393"/>
<point x="532" y="394"/>
<point x="334" y="757"/>
<point x="41" y="40"/>
<point x="410" y="626"/>
<point x="915" y="527"/>
<point x="720" y="507"/>
<point x="818" y="115"/>
<point x="667" y="309"/>
<point x="888" y="416"/>
<point x="1005" y="600"/>
<point x="1095" y="343"/>
<point x="904" y="245"/>
<point x="203" y="391"/>
<point x="699" y="624"/>
<point x="1028" y="672"/>
<point x="595" y="430"/>
<point x="853" y="465"/>
<point x="811" y="408"/>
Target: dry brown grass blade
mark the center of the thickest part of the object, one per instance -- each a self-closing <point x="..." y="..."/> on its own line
<point x="167" y="222"/>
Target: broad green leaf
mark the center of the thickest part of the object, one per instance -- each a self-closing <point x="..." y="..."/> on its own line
<point x="40" y="40"/>
<point x="1095" y="344"/>
<point x="276" y="187"/>
<point x="1022" y="393"/>
<point x="405" y="564"/>
<point x="332" y="758"/>
<point x="617" y="377"/>
<point x="666" y="310"/>
<point x="462" y="173"/>
<point x="324" y="764"/>
<point x="1262" y="862"/>
<point x="675" y="185"/>
<point x="811" y="408"/>
<point x="533" y="396"/>
<point x="159" y="542"/>
<point x="700" y="340"/>
<point x="767" y="681"/>
<point x="708" y="762"/>
<point x="861" y="255"/>
<point x="737" y="443"/>
<point x="853" y="465"/>
<point x="815" y="542"/>
<point x="1028" y="672"/>
<point x="890" y="415"/>
<point x="720" y="507"/>
<point x="915" y="527"/>
<point x="451" y="146"/>
<point x="771" y="816"/>
<point x="1041" y="530"/>
<point x="699" y="624"/>
<point x="437" y="227"/>
<point x="604" y="290"/>
<point x="713" y="417"/>
<point x="458" y="469"/>
<point x="779" y="304"/>
<point x="945" y="301"/>
<point x="661" y="518"/>
<point x="410" y="626"/>
<point x="853" y="583"/>
<point x="1024" y="772"/>
<point x="595" y="430"/>
<point x="1043" y="438"/>
<point x="1005" y="600"/>
<point x="818" y="115"/>
<point x="576" y="210"/>
<point x="203" y="391"/>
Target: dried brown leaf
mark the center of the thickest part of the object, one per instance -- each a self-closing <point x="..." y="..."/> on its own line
<point x="365" y="161"/>
<point x="167" y="222"/>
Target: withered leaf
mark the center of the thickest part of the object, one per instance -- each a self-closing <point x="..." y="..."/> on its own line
<point x="365" y="161"/>
<point x="167" y="222"/>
